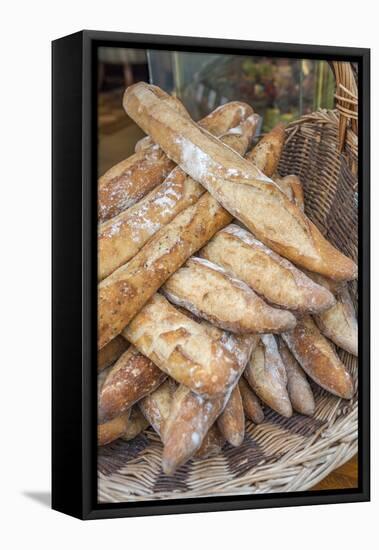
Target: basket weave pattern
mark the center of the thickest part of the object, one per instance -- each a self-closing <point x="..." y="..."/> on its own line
<point x="279" y="455"/>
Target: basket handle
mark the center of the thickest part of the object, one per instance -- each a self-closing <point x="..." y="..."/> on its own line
<point x="346" y="99"/>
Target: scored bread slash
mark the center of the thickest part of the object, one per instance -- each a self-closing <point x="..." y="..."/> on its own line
<point x="267" y="376"/>
<point x="132" y="377"/>
<point x="120" y="238"/>
<point x="318" y="359"/>
<point x="237" y="184"/>
<point x="208" y="291"/>
<point x="274" y="278"/>
<point x="299" y="389"/>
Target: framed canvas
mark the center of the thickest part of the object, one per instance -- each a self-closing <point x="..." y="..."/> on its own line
<point x="211" y="274"/>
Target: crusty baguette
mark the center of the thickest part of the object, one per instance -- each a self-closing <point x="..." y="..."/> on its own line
<point x="292" y="187"/>
<point x="156" y="406"/>
<point x="121" y="237"/>
<point x="299" y="389"/>
<point x="132" y="377"/>
<point x="208" y="291"/>
<point x="112" y="351"/>
<point x="237" y="184"/>
<point x="231" y="421"/>
<point x="212" y="443"/>
<point x="318" y="358"/>
<point x="137" y="424"/>
<point x="270" y="275"/>
<point x="131" y="179"/>
<point x="339" y="323"/>
<point x="266" y="154"/>
<point x="250" y="402"/>
<point x="115" y="428"/>
<point x="124" y="293"/>
<point x="267" y="376"/>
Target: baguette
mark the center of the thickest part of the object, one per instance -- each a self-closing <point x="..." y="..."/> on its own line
<point x="182" y="348"/>
<point x="120" y="238"/>
<point x="212" y="443"/>
<point x="339" y="323"/>
<point x="237" y="184"/>
<point x="124" y="293"/>
<point x="131" y="179"/>
<point x="115" y="428"/>
<point x="318" y="358"/>
<point x="231" y="421"/>
<point x="137" y="424"/>
<point x="155" y="407"/>
<point x="209" y="292"/>
<point x="266" y="154"/>
<point x="131" y="378"/>
<point x="112" y="351"/>
<point x="270" y="275"/>
<point x="266" y="375"/>
<point x="299" y="389"/>
<point x="292" y="187"/>
<point x="250" y="402"/>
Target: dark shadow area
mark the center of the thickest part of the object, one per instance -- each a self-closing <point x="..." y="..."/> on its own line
<point x="42" y="497"/>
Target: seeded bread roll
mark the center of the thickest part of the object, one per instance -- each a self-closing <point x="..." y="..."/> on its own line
<point x="339" y="323"/>
<point x="112" y="351"/>
<point x="231" y="421"/>
<point x="132" y="377"/>
<point x="318" y="358"/>
<point x="299" y="389"/>
<point x="266" y="154"/>
<point x="267" y="376"/>
<point x="250" y="402"/>
<point x="237" y="184"/>
<point x="124" y="293"/>
<point x="115" y="428"/>
<point x="270" y="275"/>
<point x="209" y="292"/>
<point x="120" y="238"/>
<point x="182" y="348"/>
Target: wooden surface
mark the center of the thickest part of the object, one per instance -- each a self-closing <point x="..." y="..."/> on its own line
<point x="344" y="477"/>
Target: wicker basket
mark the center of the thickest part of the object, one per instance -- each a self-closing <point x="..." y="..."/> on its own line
<point x="281" y="454"/>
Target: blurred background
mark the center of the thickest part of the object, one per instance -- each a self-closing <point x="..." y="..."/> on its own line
<point x="279" y="89"/>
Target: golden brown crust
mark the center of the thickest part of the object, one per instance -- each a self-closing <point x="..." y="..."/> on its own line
<point x="210" y="292"/>
<point x="182" y="348"/>
<point x="112" y="351"/>
<point x="124" y="293"/>
<point x="250" y="402"/>
<point x="156" y="406"/>
<point x="231" y="421"/>
<point x="109" y="431"/>
<point x="238" y="185"/>
<point x="271" y="276"/>
<point x="266" y="375"/>
<point x="131" y="378"/>
<point x="266" y="154"/>
<point x="292" y="187"/>
<point x="212" y="443"/>
<point x="318" y="358"/>
<point x="299" y="389"/>
<point x="137" y="424"/>
<point x="339" y="323"/>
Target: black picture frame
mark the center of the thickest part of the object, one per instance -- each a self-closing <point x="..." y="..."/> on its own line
<point x="74" y="150"/>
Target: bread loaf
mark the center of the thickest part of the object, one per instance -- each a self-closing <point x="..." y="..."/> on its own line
<point x="266" y="154"/>
<point x="112" y="351"/>
<point x="270" y="275"/>
<point x="231" y="421"/>
<point x="120" y="238"/>
<point x="299" y="389"/>
<point x="292" y="187"/>
<point x="318" y="358"/>
<point x="115" y="428"/>
<point x="250" y="402"/>
<point x="124" y="293"/>
<point x="209" y="292"/>
<point x="155" y="407"/>
<point x="267" y="376"/>
<point x="137" y="424"/>
<point x="339" y="323"/>
<point x="132" y="377"/>
<point x="182" y="348"/>
<point x="212" y="443"/>
<point x="238" y="185"/>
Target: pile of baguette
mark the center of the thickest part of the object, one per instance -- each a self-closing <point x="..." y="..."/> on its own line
<point x="217" y="295"/>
